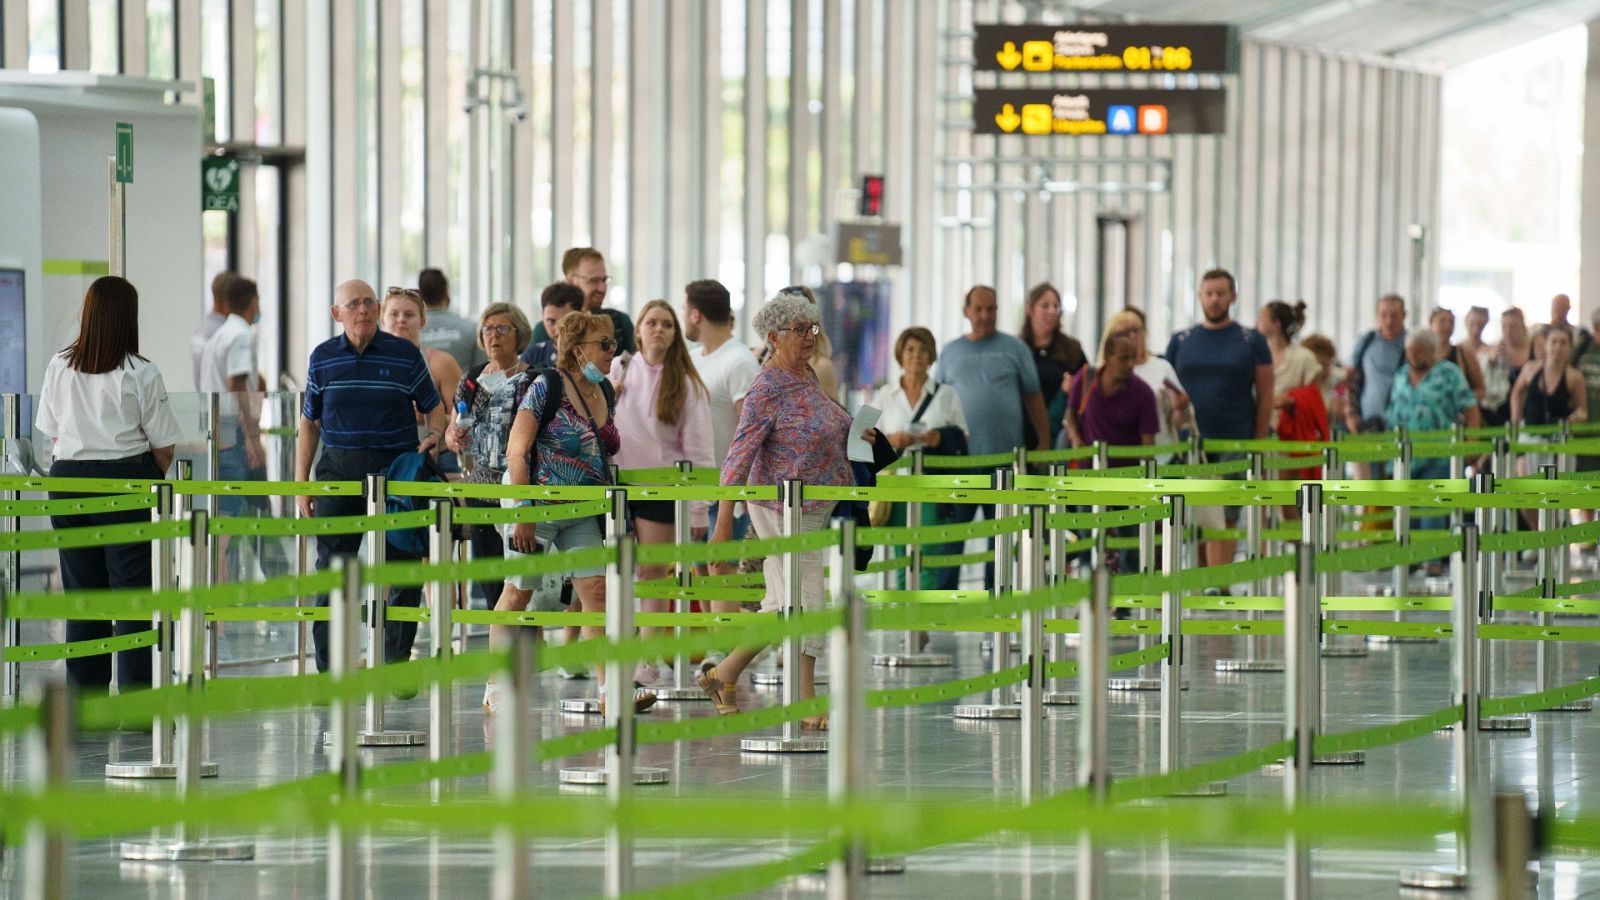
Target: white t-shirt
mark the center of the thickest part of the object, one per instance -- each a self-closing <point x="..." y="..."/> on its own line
<point x="944" y="410"/>
<point x="209" y="323"/>
<point x="728" y="374"/>
<point x="1158" y="373"/>
<point x="230" y="351"/>
<point x="113" y="415"/>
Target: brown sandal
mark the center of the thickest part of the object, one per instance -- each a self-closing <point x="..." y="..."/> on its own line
<point x="723" y="696"/>
<point x="815" y="723"/>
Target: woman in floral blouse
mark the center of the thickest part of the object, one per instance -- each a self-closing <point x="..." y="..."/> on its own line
<point x="789" y="429"/>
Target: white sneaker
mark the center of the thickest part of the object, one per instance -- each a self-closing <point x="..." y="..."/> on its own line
<point x="664" y="676"/>
<point x="491" y="699"/>
<point x="646" y="673"/>
<point x="565" y="675"/>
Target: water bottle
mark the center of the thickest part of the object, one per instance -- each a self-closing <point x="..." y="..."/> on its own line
<point x="464" y="419"/>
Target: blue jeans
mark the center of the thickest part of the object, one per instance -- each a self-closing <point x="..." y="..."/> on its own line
<point x="741" y="524"/>
<point x="949" y="578"/>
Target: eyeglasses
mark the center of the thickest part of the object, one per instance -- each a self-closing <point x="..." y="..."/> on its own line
<point x="497" y="329"/>
<point x="802" y="330"/>
<point x="594" y="281"/>
<point x="606" y="344"/>
<point x="359" y="303"/>
<point x="409" y="292"/>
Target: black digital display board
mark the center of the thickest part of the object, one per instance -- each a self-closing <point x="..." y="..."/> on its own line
<point x="1040" y="112"/>
<point x="1174" y="47"/>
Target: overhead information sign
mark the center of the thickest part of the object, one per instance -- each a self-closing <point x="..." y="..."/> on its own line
<point x="1099" y="112"/>
<point x="1175" y="47"/>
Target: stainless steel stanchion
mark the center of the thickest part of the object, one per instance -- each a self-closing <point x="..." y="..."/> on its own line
<point x="1490" y="572"/>
<point x="514" y="740"/>
<point x="911" y="654"/>
<point x="50" y="763"/>
<point x="1331" y="583"/>
<point x="1546" y="652"/>
<point x="1094" y="769"/>
<point x="1302" y="694"/>
<point x="344" y="640"/>
<point x="1057" y="694"/>
<point x="1505" y="520"/>
<point x="682" y="687"/>
<point x="1464" y="650"/>
<point x="1313" y="535"/>
<point x="791" y="741"/>
<point x="1147" y="564"/>
<point x="1398" y="575"/>
<point x="620" y="577"/>
<point x="163" y="577"/>
<point x="11" y="561"/>
<point x="616" y="527"/>
<point x="441" y="696"/>
<point x="1033" y="656"/>
<point x="619" y="715"/>
<point x="847" y="712"/>
<point x="191" y="728"/>
<point x="1255" y="658"/>
<point x="1173" y="544"/>
<point x="213" y="466"/>
<point x="1000" y="705"/>
<point x="376" y="597"/>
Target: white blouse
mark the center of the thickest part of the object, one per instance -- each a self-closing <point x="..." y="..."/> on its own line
<point x="944" y="411"/>
<point x="112" y="415"/>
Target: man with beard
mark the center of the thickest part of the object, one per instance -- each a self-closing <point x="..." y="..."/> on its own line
<point x="1227" y="371"/>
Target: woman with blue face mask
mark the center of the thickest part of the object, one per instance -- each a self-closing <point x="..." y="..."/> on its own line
<point x="569" y="443"/>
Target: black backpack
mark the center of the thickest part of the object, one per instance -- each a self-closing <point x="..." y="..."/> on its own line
<point x="553" y="394"/>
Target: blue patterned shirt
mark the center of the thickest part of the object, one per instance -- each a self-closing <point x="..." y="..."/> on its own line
<point x="1433" y="403"/>
<point x="368" y="400"/>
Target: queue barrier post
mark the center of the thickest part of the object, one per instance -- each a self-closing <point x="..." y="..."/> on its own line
<point x="618" y="711"/>
<point x="1033" y="656"/>
<point x="513" y="742"/>
<point x="1399" y="574"/>
<point x="1466" y="613"/>
<point x="1331" y="583"/>
<point x="344" y="637"/>
<point x="1314" y="535"/>
<point x="1094" y="769"/>
<point x="1302" y="693"/>
<point x="1147" y="551"/>
<point x="11" y="560"/>
<point x="1550" y="575"/>
<point x="1255" y="659"/>
<point x="1000" y="705"/>
<point x="791" y="740"/>
<point x="49" y="762"/>
<point x="910" y="654"/>
<point x="214" y="467"/>
<point x="376" y="597"/>
<point x="682" y="689"/>
<point x="189" y="745"/>
<point x="1059" y="570"/>
<point x="847" y="713"/>
<point x="1491" y="571"/>
<point x="1175" y="558"/>
<point x="1501" y="520"/>
<point x="441" y="696"/>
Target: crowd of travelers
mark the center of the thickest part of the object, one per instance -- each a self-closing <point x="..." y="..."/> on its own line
<point x="586" y="389"/>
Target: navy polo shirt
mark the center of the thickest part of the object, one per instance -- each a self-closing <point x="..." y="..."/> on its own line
<point x="368" y="400"/>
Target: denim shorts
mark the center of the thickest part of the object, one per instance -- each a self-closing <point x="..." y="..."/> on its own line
<point x="565" y="536"/>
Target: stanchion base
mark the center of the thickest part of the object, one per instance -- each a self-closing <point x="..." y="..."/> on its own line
<point x="987" y="646"/>
<point x="391" y="739"/>
<point x="1209" y="789"/>
<point x="596" y="775"/>
<point x="1249" y="665"/>
<point x="187" y="851"/>
<point x="766" y="679"/>
<point x="914" y="660"/>
<point x="1343" y="652"/>
<point x="1575" y="706"/>
<point x="1434" y="878"/>
<point x="1139" y="684"/>
<point x="877" y="865"/>
<point x="154" y="771"/>
<point x="679" y="694"/>
<point x="1061" y="698"/>
<point x="589" y="706"/>
<point x="1506" y="724"/>
<point x="784" y="745"/>
<point x="987" y="711"/>
<point x="1352" y="758"/>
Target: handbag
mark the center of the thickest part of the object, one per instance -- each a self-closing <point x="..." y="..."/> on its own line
<point x="879" y="511"/>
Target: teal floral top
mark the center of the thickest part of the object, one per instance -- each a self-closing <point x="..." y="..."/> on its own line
<point x="1435" y="402"/>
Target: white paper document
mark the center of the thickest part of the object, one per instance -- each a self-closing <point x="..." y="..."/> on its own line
<point x="857" y="447"/>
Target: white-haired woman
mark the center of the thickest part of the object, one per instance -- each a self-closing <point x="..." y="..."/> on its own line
<point x="789" y="429"/>
<point x="1430" y="394"/>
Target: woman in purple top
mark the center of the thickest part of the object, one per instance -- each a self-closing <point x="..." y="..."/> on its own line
<point x="1108" y="404"/>
<point x="789" y="429"/>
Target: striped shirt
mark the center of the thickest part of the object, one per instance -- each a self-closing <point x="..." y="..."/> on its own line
<point x="368" y="400"/>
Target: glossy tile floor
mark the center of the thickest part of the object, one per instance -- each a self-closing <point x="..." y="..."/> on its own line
<point x="916" y="749"/>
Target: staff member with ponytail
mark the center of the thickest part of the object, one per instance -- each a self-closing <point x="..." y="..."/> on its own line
<point x="103" y="409"/>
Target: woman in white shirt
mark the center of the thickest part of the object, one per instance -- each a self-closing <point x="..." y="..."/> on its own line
<point x="919" y="412"/>
<point x="103" y="410"/>
<point x="663" y="415"/>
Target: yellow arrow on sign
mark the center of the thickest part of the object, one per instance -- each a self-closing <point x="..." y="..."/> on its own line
<point x="1007" y="118"/>
<point x="1008" y="57"/>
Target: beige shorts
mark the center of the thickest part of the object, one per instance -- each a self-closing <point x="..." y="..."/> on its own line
<point x="768" y="523"/>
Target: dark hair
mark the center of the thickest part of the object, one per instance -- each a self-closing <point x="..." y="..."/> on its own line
<point x="710" y="299"/>
<point x="1290" y="319"/>
<point x="922" y="336"/>
<point x="1060" y="343"/>
<point x="108" y="327"/>
<point x="560" y="293"/>
<point x="1438" y="311"/>
<point x="240" y="292"/>
<point x="219" y="286"/>
<point x="434" y="288"/>
<point x="575" y="257"/>
<point x="1219" y="272"/>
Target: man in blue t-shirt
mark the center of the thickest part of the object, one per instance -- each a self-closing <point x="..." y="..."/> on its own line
<point x="994" y="376"/>
<point x="1227" y="371"/>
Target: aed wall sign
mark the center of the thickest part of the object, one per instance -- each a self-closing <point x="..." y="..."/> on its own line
<point x="1178" y="47"/>
<point x="1037" y="112"/>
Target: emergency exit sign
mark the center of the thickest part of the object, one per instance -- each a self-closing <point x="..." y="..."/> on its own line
<point x="125" y="153"/>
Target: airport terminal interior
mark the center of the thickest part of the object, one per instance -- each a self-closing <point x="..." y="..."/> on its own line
<point x="788" y="448"/>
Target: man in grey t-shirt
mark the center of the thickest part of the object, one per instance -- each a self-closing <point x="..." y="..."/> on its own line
<point x="455" y="335"/>
<point x="998" y="384"/>
<point x="1379" y="354"/>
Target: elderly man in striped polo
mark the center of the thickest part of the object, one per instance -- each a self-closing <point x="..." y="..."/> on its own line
<point x="364" y="389"/>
